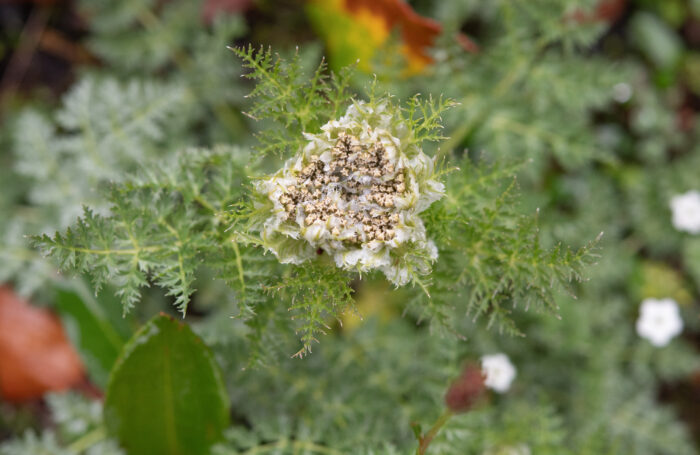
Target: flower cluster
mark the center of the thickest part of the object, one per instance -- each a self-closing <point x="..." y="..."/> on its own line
<point x="659" y="321"/>
<point x="355" y="192"/>
<point x="686" y="212"/>
<point x="499" y="372"/>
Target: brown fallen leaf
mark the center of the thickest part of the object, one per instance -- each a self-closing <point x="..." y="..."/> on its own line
<point x="35" y="355"/>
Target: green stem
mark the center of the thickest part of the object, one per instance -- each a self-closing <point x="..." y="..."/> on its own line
<point x="288" y="444"/>
<point x="127" y="252"/>
<point x="239" y="265"/>
<point x="88" y="440"/>
<point x="425" y="441"/>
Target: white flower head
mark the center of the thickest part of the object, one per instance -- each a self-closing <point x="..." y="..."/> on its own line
<point x="355" y="192"/>
<point x="659" y="321"/>
<point x="499" y="372"/>
<point x="686" y="212"/>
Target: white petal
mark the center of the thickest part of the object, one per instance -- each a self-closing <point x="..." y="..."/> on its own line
<point x="499" y="372"/>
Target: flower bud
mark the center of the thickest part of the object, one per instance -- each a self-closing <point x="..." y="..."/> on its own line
<point x="466" y="390"/>
<point x="355" y="191"/>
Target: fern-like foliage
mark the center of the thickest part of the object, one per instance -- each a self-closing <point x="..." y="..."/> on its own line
<point x="169" y="221"/>
<point x="424" y="117"/>
<point x="294" y="100"/>
<point x="491" y="257"/>
<point x="159" y="228"/>
<point x="149" y="39"/>
<point x="133" y="34"/>
<point x="538" y="93"/>
<point x="514" y="100"/>
<point x="318" y="293"/>
<point x="297" y="100"/>
<point x="102" y="131"/>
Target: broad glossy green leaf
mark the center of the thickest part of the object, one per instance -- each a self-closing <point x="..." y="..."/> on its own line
<point x="95" y="328"/>
<point x="165" y="394"/>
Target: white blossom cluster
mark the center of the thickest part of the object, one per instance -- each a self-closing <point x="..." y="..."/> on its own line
<point x="498" y="371"/>
<point x="686" y="212"/>
<point x="355" y="192"/>
<point x="659" y="321"/>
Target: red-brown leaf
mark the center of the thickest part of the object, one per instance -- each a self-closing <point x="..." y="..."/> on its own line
<point x="35" y="355"/>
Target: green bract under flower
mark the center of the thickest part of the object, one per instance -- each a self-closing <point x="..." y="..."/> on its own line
<point x="355" y="192"/>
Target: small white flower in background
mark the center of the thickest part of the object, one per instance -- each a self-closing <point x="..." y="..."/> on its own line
<point x="659" y="321"/>
<point x="622" y="92"/>
<point x="499" y="372"/>
<point x="686" y="212"/>
<point x="355" y="192"/>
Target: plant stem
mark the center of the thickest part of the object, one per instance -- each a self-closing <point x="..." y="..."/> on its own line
<point x="296" y="445"/>
<point x="88" y="440"/>
<point x="425" y="441"/>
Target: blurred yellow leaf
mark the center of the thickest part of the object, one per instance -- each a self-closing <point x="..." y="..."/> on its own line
<point x="371" y="301"/>
<point x="657" y="280"/>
